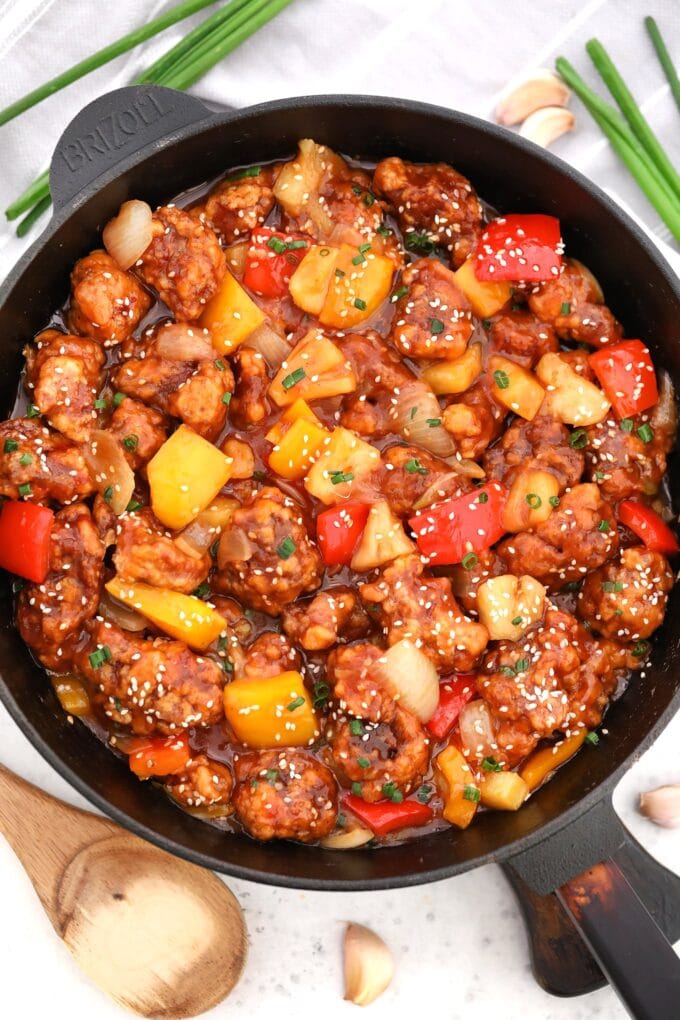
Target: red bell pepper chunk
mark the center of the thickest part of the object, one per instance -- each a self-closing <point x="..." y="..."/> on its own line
<point x="338" y="530"/>
<point x="272" y="259"/>
<point x="626" y="374"/>
<point x="520" y="247"/>
<point x="158" y="756"/>
<point x="386" y="816"/>
<point x="647" y="525"/>
<point x="25" y="531"/>
<point x="455" y="529"/>
<point x="453" y="694"/>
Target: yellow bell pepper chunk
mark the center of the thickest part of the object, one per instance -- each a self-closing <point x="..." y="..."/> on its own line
<point x="541" y="764"/>
<point x="310" y="282"/>
<point x="298" y="449"/>
<point x="503" y="791"/>
<point x="272" y="712"/>
<point x="456" y="776"/>
<point x="344" y="460"/>
<point x="181" y="616"/>
<point x="355" y="295"/>
<point x="299" y="410"/>
<point x="231" y="316"/>
<point x="515" y="387"/>
<point x="455" y="376"/>
<point x="72" y="694"/>
<point x="486" y="297"/>
<point x="184" y="476"/>
<point x="313" y="370"/>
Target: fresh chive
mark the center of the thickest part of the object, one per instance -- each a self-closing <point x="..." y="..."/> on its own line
<point x="286" y="549"/>
<point x="436" y="326"/>
<point x="100" y="404"/>
<point x="612" y="586"/>
<point x="501" y="379"/>
<point x="626" y="424"/>
<point x="296" y="703"/>
<point x="25" y="459"/>
<point x="10" y="446"/>
<point x="118" y="399"/>
<point x="32" y="411"/>
<point x="565" y="308"/>
<point x="364" y="763"/>
<point x="424" y="793"/>
<point x="664" y="58"/>
<point x="34" y="215"/>
<point x="392" y="793"/>
<point x="202" y="590"/>
<point x="132" y="506"/>
<point x="294" y="378"/>
<point x="357" y="789"/>
<point x="646" y="433"/>
<point x="99" y="656"/>
<point x="592" y="738"/>
<point x="604" y="526"/>
<point x="360" y="304"/>
<point x="518" y="621"/>
<point x="356" y="728"/>
<point x="271" y="775"/>
<point x="414" y="467"/>
<point x="641" y="648"/>
<point x="226" y="398"/>
<point x="489" y="764"/>
<point x="554" y="501"/>
<point x="131" y="442"/>
<point x="24" y="490"/>
<point x="433" y="423"/>
<point x="533" y="500"/>
<point x="483" y="497"/>
<point x="469" y="561"/>
<point x="472" y="793"/>
<point x="578" y="439"/>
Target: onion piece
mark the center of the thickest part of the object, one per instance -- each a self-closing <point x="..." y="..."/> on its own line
<point x="110" y="471"/>
<point x="178" y="341"/>
<point x="236" y="255"/>
<point x="445" y="486"/>
<point x="270" y="344"/>
<point x="465" y="467"/>
<point x="234" y="547"/>
<point x="347" y="839"/>
<point x="476" y="728"/>
<point x="127" y="236"/>
<point x="369" y="968"/>
<point x="412" y="677"/>
<point x="207" y="526"/>
<point x="664" y="415"/>
<point x="415" y="410"/>
<point x="116" y="612"/>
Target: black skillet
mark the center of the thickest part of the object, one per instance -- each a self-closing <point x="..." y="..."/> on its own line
<point x="152" y="143"/>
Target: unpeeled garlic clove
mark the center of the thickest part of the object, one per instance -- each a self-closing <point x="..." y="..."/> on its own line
<point x="545" y="126"/>
<point x="662" y="806"/>
<point x="540" y="88"/>
<point x="368" y="965"/>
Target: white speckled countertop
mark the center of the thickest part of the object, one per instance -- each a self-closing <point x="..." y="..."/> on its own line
<point x="459" y="945"/>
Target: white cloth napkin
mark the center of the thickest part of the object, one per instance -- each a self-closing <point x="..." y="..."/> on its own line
<point x="458" y="54"/>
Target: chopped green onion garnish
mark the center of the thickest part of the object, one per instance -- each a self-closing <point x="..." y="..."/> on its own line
<point x="295" y="704"/>
<point x="219" y="364"/>
<point x="414" y="467"/>
<point x="436" y="326"/>
<point x="277" y="245"/>
<point x="32" y="411"/>
<point x="599" y="475"/>
<point x="392" y="793"/>
<point x="25" y="459"/>
<point x="490" y="764"/>
<point x="10" y="445"/>
<point x="293" y="378"/>
<point x="99" y="656"/>
<point x="517" y="622"/>
<point x="384" y="231"/>
<point x="501" y="379"/>
<point x="272" y="775"/>
<point x="469" y="561"/>
<point x="357" y="789"/>
<point x="286" y="549"/>
<point x="604" y="526"/>
<point x="471" y="792"/>
<point x="107" y="494"/>
<point x="534" y="500"/>
<point x="321" y="692"/>
<point x="424" y="793"/>
<point x="360" y="304"/>
<point x="368" y="199"/>
<point x="483" y="497"/>
<point x="338" y="477"/>
<point x="433" y="423"/>
<point x="571" y="586"/>
<point x="132" y="506"/>
<point x="363" y="248"/>
<point x="626" y="424"/>
<point x="356" y="728"/>
<point x="418" y="242"/>
<point x="641" y="648"/>
<point x="24" y="490"/>
<point x="226" y="398"/>
<point x="399" y="293"/>
<point x="364" y="763"/>
<point x="118" y="399"/>
<point x="358" y="259"/>
<point x="578" y="439"/>
<point x="565" y="308"/>
<point x="646" y="433"/>
<point x="554" y="501"/>
<point x="251" y="171"/>
<point x="521" y="665"/>
<point x="100" y="404"/>
<point x="612" y="586"/>
<point x="592" y="738"/>
<point x="202" y="590"/>
<point x="131" y="442"/>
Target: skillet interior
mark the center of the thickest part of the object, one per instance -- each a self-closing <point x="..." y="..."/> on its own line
<point x="510" y="174"/>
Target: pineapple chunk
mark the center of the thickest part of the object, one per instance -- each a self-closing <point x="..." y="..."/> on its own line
<point x="231" y="316"/>
<point x="382" y="540"/>
<point x="529" y="500"/>
<point x="300" y="178"/>
<point x="509" y="605"/>
<point x="486" y="297"/>
<point x="360" y="283"/>
<point x="313" y="370"/>
<point x="455" y="376"/>
<point x="300" y="409"/>
<point x="570" y="398"/>
<point x="503" y="791"/>
<point x="540" y="765"/>
<point x="297" y="449"/>
<point x="345" y="460"/>
<point x="310" y="282"/>
<point x="515" y="388"/>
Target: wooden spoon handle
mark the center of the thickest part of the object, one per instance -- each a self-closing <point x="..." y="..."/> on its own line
<point x="44" y="833"/>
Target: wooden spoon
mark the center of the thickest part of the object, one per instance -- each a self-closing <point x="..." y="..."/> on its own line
<point x="162" y="937"/>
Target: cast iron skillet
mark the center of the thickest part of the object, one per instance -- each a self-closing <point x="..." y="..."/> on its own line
<point x="151" y="143"/>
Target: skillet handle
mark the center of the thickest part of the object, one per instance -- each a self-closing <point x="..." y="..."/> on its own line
<point x="624" y="909"/>
<point x="115" y="127"/>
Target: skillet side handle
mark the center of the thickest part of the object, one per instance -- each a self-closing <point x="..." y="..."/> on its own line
<point x="114" y="127"/>
<point x="622" y="935"/>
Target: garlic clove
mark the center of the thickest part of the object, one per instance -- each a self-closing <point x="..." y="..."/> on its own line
<point x="545" y="126"/>
<point x="368" y="965"/>
<point x="662" y="806"/>
<point x="540" y="88"/>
